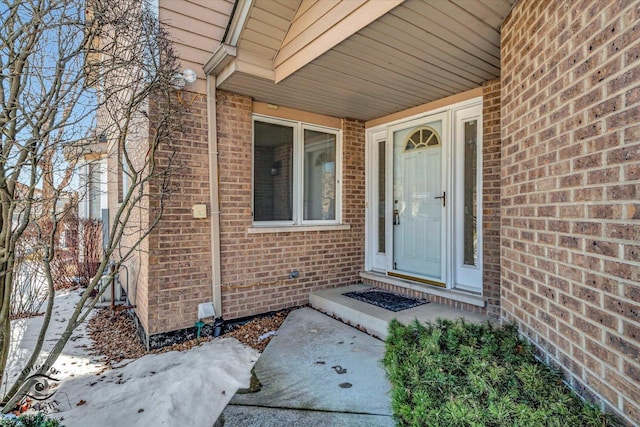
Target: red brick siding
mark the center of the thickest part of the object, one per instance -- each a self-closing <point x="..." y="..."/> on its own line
<point x="570" y="187"/>
<point x="180" y="246"/>
<point x="491" y="144"/>
<point x="133" y="277"/>
<point x="255" y="267"/>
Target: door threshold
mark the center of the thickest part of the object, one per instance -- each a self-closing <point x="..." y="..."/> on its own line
<point x="417" y="279"/>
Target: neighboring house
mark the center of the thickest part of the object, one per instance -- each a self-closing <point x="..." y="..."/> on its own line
<point x="93" y="192"/>
<point x="90" y="161"/>
<point x="93" y="206"/>
<point x="64" y="201"/>
<point x="482" y="154"/>
<point x="22" y="193"/>
<point x="90" y="200"/>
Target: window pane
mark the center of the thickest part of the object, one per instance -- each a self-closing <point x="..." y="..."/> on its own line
<point x="319" y="175"/>
<point x="381" y="197"/>
<point x="272" y="172"/>
<point x="470" y="192"/>
<point x="93" y="191"/>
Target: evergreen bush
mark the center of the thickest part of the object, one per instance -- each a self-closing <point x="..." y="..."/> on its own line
<point x="456" y="373"/>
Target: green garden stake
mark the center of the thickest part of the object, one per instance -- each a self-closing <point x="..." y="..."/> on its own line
<point x="199" y="325"/>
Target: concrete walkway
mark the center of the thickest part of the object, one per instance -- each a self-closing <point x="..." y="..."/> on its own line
<point x="316" y="371"/>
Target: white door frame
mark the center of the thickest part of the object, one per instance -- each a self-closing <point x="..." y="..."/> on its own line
<point x="453" y="114"/>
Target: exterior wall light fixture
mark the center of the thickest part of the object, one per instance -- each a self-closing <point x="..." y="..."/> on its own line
<point x="181" y="79"/>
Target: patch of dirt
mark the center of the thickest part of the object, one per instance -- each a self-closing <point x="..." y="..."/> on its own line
<point x="115" y="337"/>
<point x="250" y="332"/>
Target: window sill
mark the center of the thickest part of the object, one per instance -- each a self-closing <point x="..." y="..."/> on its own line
<point x="297" y="228"/>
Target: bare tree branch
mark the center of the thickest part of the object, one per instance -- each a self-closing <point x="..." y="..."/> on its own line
<point x="70" y="71"/>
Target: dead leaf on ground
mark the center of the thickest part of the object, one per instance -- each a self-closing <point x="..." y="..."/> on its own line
<point x="115" y="337"/>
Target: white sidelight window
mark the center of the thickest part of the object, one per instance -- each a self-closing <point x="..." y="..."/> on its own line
<point x="468" y="198"/>
<point x="296" y="173"/>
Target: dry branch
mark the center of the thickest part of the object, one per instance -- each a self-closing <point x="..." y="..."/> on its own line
<point x="75" y="73"/>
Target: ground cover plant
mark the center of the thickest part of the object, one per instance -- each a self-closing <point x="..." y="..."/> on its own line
<point x="35" y="420"/>
<point x="455" y="373"/>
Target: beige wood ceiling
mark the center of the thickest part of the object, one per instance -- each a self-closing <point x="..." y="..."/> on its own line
<point x="420" y="51"/>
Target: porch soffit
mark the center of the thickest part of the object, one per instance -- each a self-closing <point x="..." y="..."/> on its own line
<point x="416" y="52"/>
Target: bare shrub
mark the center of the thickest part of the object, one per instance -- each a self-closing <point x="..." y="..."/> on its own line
<point x="64" y="270"/>
<point x="29" y="286"/>
<point x="89" y="249"/>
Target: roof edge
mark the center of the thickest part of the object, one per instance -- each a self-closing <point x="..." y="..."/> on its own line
<point x="237" y="21"/>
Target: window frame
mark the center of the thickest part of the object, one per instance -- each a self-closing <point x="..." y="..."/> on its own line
<point x="298" y="173"/>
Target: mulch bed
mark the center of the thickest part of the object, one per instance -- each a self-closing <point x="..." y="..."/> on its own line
<point x="115" y="337"/>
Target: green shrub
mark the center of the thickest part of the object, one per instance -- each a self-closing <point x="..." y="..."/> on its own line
<point x="455" y="373"/>
<point x="37" y="420"/>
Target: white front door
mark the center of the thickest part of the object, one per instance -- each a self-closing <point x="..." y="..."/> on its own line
<point x="418" y="205"/>
<point x="424" y="198"/>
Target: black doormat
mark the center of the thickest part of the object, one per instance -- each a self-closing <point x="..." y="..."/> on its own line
<point x="384" y="299"/>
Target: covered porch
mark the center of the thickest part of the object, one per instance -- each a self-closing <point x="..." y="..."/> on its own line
<point x="419" y="84"/>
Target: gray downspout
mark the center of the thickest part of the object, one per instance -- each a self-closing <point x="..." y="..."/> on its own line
<point x="216" y="282"/>
<point x="220" y="58"/>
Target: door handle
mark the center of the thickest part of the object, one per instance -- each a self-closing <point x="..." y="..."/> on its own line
<point x="443" y="197"/>
<point x="396" y="214"/>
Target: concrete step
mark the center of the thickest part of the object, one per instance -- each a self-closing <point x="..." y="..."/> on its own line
<point x="375" y="320"/>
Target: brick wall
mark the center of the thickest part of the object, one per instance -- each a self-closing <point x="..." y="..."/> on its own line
<point x="255" y="267"/>
<point x="179" y="273"/>
<point x="570" y="187"/>
<point x="491" y="144"/>
<point x="133" y="277"/>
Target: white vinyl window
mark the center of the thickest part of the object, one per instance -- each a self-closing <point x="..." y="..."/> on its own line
<point x="296" y="173"/>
